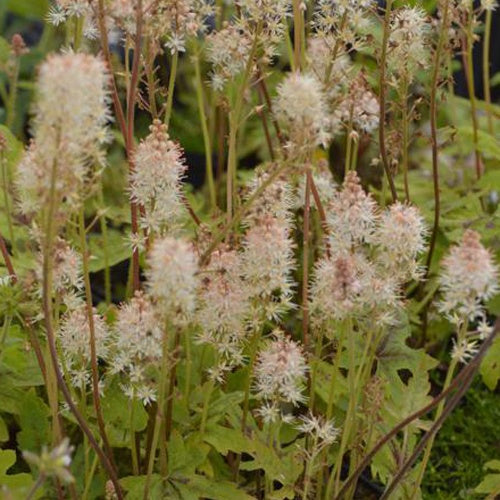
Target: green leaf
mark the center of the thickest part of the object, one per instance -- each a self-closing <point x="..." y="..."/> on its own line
<point x="197" y="486"/>
<point x="118" y="250"/>
<point x="487" y="144"/>
<point x="34" y="422"/>
<point x="490" y="366"/>
<point x="28" y="8"/>
<point x="17" y="484"/>
<point x="4" y="432"/>
<point x="491" y="482"/>
<point x="224" y="440"/>
<point x="186" y="455"/>
<point x="134" y="486"/>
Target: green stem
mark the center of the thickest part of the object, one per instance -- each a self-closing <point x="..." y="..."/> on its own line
<point x="405" y="145"/>
<point x="92" y="339"/>
<point x="38" y="483"/>
<point x="133" y="447"/>
<point x="159" y="412"/>
<point x="171" y="87"/>
<point x="11" y="103"/>
<point x="469" y="73"/>
<point x="206" y="136"/>
<point x="486" y="70"/>
<point x="206" y="404"/>
<point x="5" y="187"/>
<point x="105" y="242"/>
<point x="88" y="482"/>
<point x="382" y="90"/>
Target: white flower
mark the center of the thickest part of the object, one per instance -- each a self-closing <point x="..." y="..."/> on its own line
<point x="302" y="108"/>
<point x="463" y="351"/>
<point x="171" y="273"/>
<point x="280" y="371"/>
<point x="156" y="179"/>
<point x="351" y="215"/>
<point x="469" y="277"/>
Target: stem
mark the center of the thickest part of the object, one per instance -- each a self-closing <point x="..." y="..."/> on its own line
<point x="133" y="447"/>
<point x="5" y="187"/>
<point x="443" y="32"/>
<point x="486" y="70"/>
<point x="130" y="136"/>
<point x="159" y="412"/>
<point x="92" y="340"/>
<point x="382" y="90"/>
<point x="88" y="483"/>
<point x="234" y="123"/>
<point x="206" y="137"/>
<point x="305" y="260"/>
<point x="47" y="313"/>
<point x="11" y="102"/>
<point x="254" y="345"/>
<point x="405" y="126"/>
<point x="105" y="241"/>
<point x="171" y="87"/>
<point x="351" y="412"/>
<point x="38" y="483"/>
<point x="297" y="34"/>
<point x="206" y="404"/>
<point x="469" y="73"/>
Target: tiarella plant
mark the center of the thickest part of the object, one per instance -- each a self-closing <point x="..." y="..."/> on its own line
<point x="294" y="330"/>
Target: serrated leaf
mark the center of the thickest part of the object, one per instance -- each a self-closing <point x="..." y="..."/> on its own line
<point x="487" y="144"/>
<point x="224" y="440"/>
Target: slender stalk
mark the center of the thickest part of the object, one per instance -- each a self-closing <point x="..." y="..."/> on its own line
<point x="131" y="99"/>
<point x="92" y="340"/>
<point x="298" y="21"/>
<point x="151" y="78"/>
<point x="36" y="486"/>
<point x="7" y="259"/>
<point x="443" y="33"/>
<point x="305" y="260"/>
<point x="171" y="87"/>
<point x="405" y="131"/>
<point x="486" y="70"/>
<point x="234" y="124"/>
<point x="133" y="447"/>
<point x="206" y="137"/>
<point x="383" y="90"/>
<point x="47" y="313"/>
<point x="105" y="242"/>
<point x="469" y="74"/>
<point x="11" y="102"/>
<point x="159" y="412"/>
<point x="350" y="415"/>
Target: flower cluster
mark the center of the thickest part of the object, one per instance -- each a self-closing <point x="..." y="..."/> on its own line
<point x="156" y="180"/>
<point x="373" y="255"/>
<point x="69" y="128"/>
<point x="137" y="347"/>
<point x="469" y="277"/>
<point x="301" y="106"/>
<point x="280" y="374"/>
